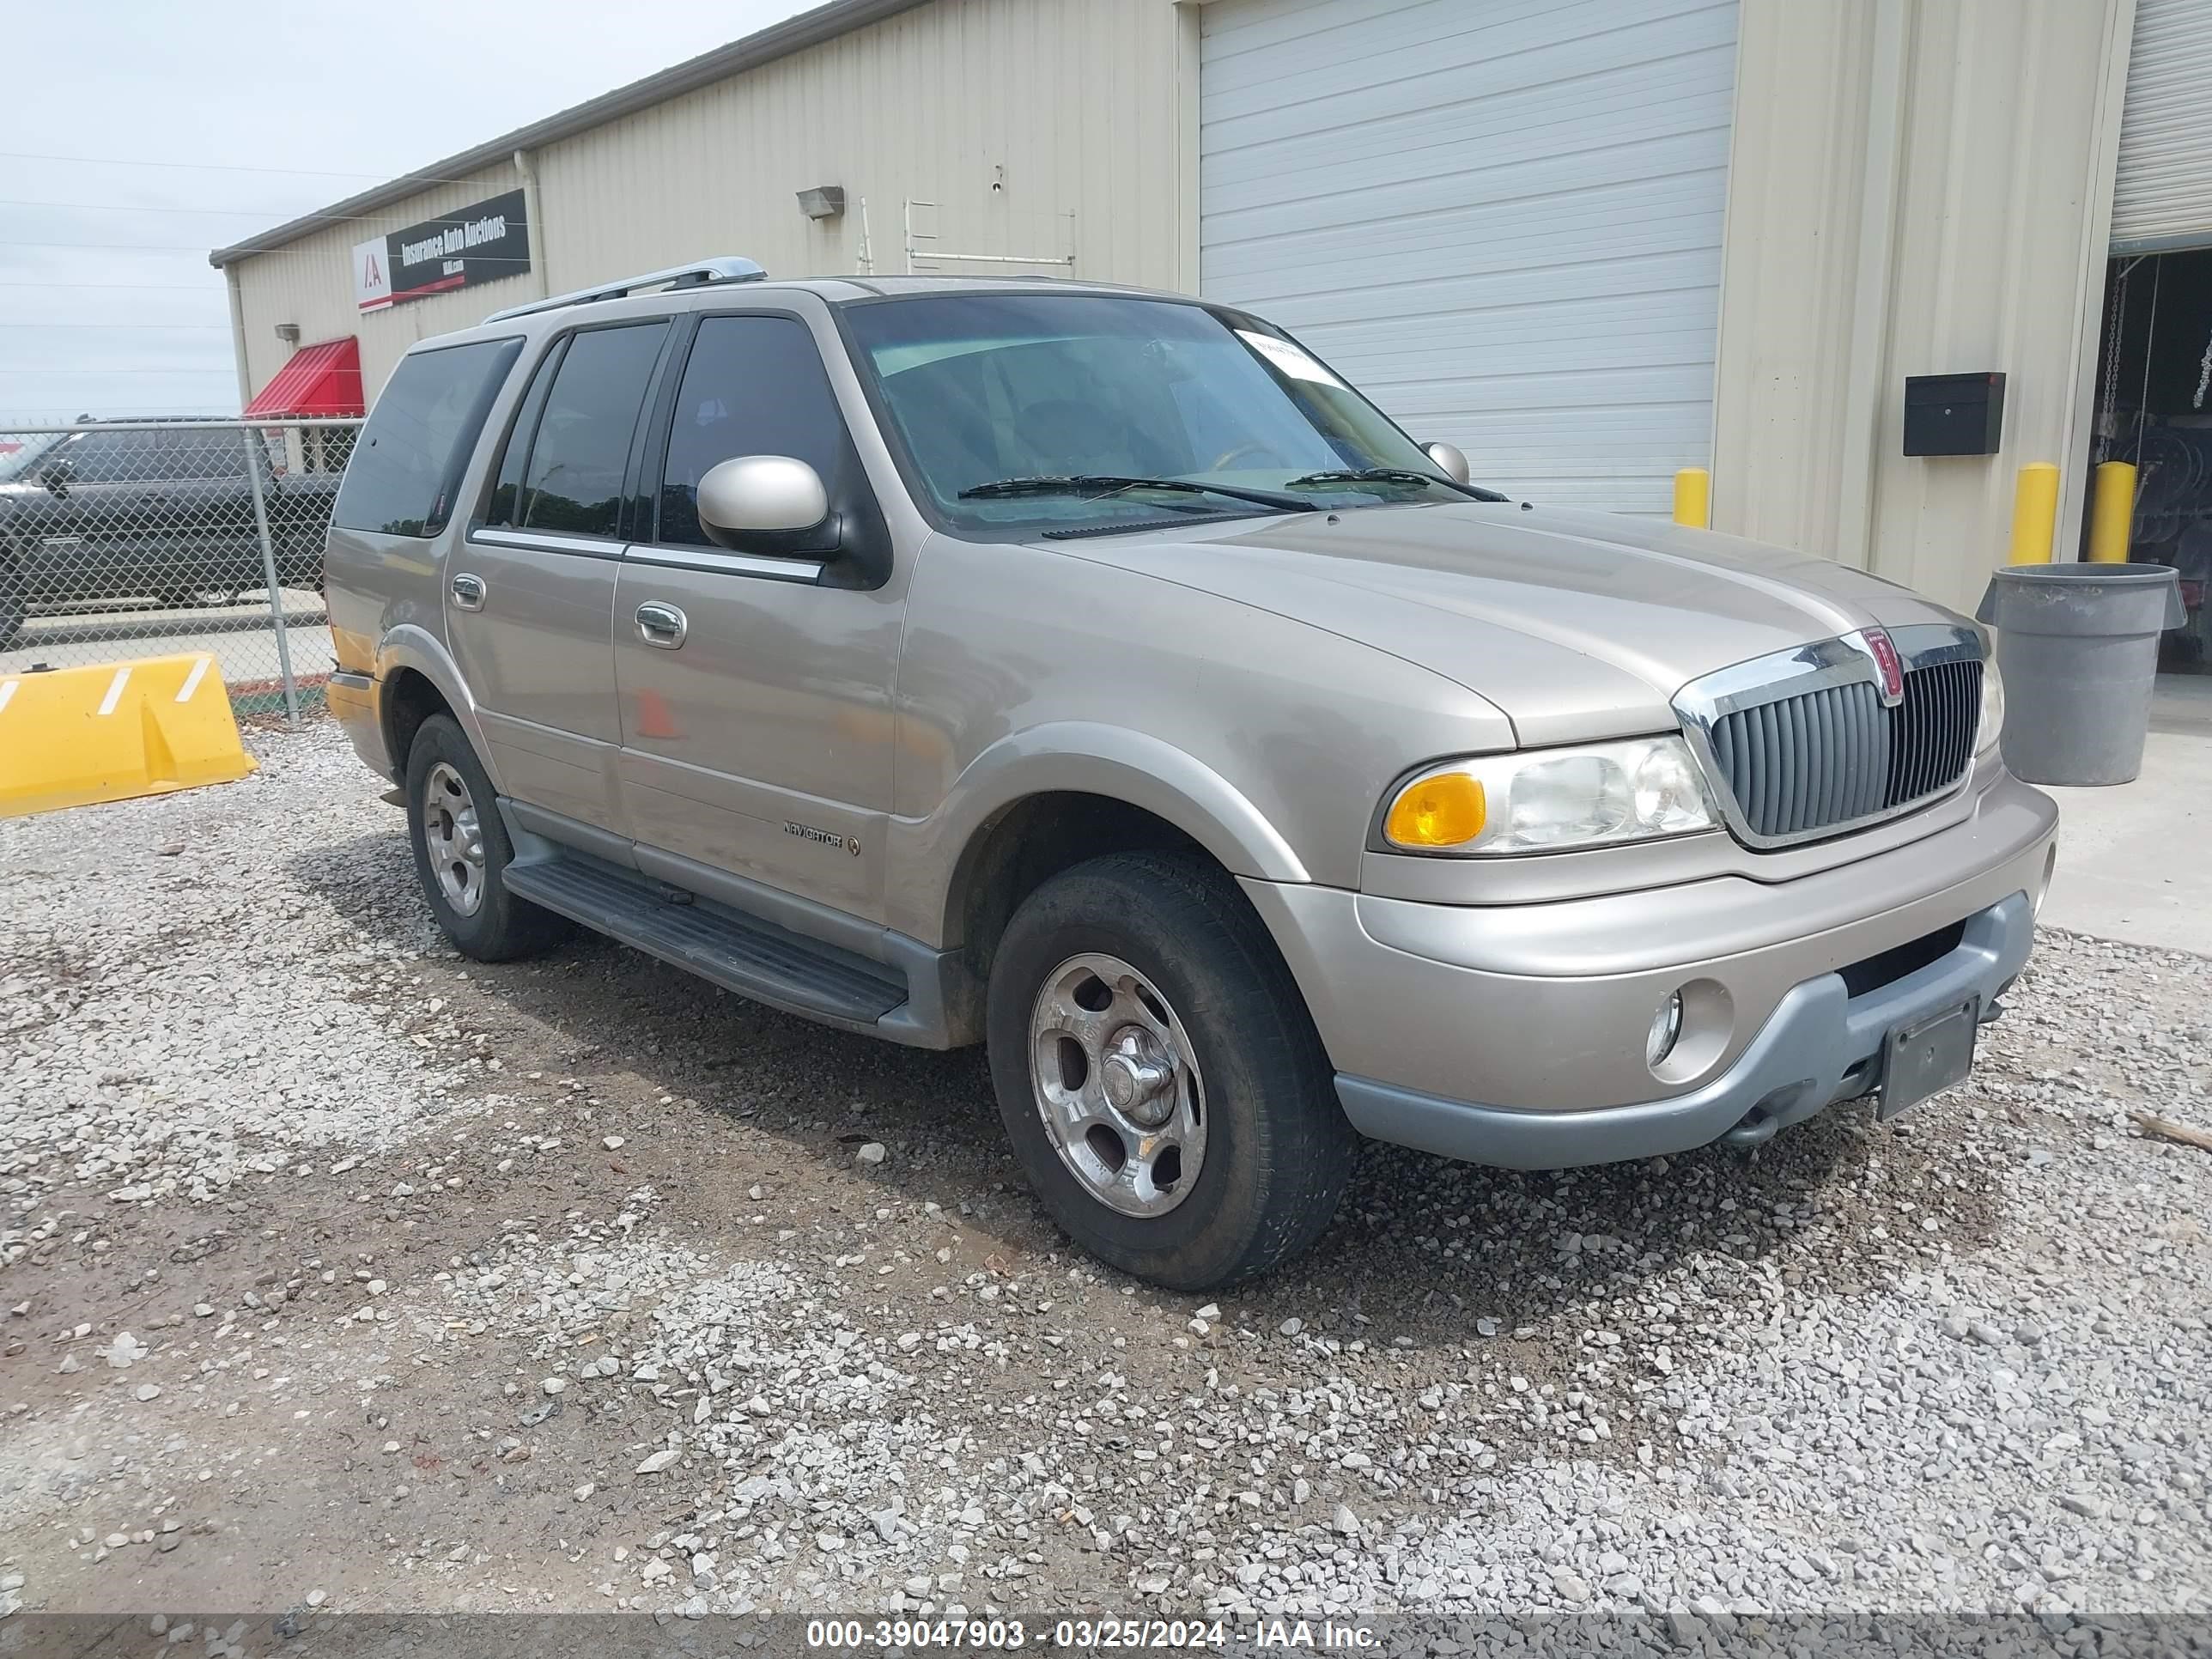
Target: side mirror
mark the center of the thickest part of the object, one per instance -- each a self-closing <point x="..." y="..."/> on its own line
<point x="1447" y="457"/>
<point x="56" y="476"/>
<point x="755" y="495"/>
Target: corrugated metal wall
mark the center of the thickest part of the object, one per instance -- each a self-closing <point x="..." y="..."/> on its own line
<point x="1920" y="187"/>
<point x="1064" y="106"/>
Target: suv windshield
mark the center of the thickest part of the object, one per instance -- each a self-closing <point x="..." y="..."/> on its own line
<point x="20" y="453"/>
<point x="1051" y="411"/>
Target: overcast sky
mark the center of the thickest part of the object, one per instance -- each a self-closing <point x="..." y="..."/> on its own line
<point x="209" y="121"/>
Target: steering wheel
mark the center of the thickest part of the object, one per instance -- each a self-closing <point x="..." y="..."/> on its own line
<point x="1258" y="446"/>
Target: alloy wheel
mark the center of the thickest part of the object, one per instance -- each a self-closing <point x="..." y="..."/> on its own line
<point x="454" y="838"/>
<point x="1117" y="1085"/>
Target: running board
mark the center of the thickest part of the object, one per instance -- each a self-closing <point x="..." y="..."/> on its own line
<point x="754" y="959"/>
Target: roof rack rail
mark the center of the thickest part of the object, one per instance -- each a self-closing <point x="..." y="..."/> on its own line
<point x="732" y="268"/>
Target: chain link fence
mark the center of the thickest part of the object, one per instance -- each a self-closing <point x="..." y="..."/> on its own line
<point x="140" y="538"/>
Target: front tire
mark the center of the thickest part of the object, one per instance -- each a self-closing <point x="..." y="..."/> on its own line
<point x="1163" y="1087"/>
<point x="462" y="851"/>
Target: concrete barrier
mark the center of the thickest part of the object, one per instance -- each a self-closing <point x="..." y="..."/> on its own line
<point x="70" y="737"/>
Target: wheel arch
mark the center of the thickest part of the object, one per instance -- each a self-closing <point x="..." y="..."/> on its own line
<point x="417" y="678"/>
<point x="1041" y="801"/>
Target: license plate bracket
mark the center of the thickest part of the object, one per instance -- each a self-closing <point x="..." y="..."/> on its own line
<point x="1927" y="1058"/>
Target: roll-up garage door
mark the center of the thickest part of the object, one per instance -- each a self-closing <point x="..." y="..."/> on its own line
<point x="1500" y="218"/>
<point x="2163" y="198"/>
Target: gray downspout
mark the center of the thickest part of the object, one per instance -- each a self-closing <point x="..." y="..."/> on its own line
<point x="238" y="336"/>
<point x="525" y="164"/>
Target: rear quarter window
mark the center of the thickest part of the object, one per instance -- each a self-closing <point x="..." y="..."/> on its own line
<point x="410" y="456"/>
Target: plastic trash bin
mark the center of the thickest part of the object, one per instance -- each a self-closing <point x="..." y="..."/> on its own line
<point x="2078" y="647"/>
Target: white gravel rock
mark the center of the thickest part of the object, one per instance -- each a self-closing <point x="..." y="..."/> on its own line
<point x="1703" y="1388"/>
<point x="165" y="1028"/>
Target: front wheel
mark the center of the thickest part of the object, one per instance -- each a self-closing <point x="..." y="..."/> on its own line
<point x="462" y="852"/>
<point x="1158" y="1075"/>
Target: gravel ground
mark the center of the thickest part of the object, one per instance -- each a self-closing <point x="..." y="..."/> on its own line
<point x="342" y="1273"/>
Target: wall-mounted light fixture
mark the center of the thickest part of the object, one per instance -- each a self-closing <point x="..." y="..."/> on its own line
<point x="288" y="333"/>
<point x="822" y="202"/>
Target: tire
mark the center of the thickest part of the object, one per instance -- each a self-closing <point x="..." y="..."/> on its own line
<point x="483" y="919"/>
<point x="1248" y="1086"/>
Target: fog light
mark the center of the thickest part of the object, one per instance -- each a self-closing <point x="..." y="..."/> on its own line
<point x="1666" y="1027"/>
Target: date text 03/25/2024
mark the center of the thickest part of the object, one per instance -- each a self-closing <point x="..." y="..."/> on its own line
<point x="858" y="1636"/>
<point x="1084" y="1635"/>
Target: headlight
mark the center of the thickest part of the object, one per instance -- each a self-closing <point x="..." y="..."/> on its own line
<point x="1551" y="800"/>
<point x="1992" y="721"/>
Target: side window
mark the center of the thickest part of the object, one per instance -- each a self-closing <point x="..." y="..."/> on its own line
<point x="573" y="480"/>
<point x="197" y="455"/>
<point x="409" y="458"/>
<point x="506" y="495"/>
<point x="109" y="456"/>
<point x="753" y="385"/>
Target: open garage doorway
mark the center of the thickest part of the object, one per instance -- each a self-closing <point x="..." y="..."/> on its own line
<point x="2153" y="410"/>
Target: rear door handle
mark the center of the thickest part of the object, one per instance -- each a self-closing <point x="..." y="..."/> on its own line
<point x="468" y="592"/>
<point x="662" y="626"/>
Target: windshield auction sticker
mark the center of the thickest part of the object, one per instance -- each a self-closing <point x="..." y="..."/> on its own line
<point x="1287" y="357"/>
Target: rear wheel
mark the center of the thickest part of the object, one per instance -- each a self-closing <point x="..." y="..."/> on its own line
<point x="461" y="850"/>
<point x="1158" y="1075"/>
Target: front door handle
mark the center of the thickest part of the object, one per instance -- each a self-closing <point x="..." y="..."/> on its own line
<point x="662" y="626"/>
<point x="468" y="592"/>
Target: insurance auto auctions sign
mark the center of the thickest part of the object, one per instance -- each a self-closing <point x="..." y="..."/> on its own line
<point x="480" y="243"/>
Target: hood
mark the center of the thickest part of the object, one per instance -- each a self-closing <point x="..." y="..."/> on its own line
<point x="1578" y="625"/>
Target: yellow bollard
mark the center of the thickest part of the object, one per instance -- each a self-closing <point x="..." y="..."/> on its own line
<point x="1693" y="498"/>
<point x="2113" y="512"/>
<point x="2035" y="513"/>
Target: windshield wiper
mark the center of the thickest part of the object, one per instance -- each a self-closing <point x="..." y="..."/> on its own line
<point x="1392" y="475"/>
<point x="1103" y="484"/>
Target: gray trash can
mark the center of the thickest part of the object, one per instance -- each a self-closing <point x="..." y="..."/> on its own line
<point x="2078" y="647"/>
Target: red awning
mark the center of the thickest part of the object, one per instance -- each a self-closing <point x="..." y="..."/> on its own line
<point x="321" y="380"/>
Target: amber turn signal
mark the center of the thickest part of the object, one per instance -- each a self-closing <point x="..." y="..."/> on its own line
<point x="1445" y="809"/>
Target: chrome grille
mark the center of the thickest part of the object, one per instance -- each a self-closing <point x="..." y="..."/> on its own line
<point x="1935" y="728"/>
<point x="1801" y="746"/>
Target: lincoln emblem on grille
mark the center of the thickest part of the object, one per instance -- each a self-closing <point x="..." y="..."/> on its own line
<point x="1885" y="660"/>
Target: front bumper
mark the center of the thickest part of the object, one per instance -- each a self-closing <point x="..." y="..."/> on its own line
<point x="1820" y="1045"/>
<point x="1514" y="1035"/>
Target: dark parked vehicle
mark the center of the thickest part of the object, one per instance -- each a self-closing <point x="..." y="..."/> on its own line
<point x="149" y="511"/>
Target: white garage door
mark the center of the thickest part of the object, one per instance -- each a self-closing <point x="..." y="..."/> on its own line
<point x="2163" y="198"/>
<point x="1500" y="218"/>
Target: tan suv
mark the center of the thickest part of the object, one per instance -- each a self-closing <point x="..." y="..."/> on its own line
<point x="1094" y="674"/>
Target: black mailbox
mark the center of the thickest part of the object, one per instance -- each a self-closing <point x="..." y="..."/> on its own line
<point x="1954" y="414"/>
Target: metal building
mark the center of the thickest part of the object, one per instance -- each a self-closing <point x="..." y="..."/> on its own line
<point x="1589" y="241"/>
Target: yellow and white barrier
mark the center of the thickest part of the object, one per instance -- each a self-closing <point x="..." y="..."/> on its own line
<point x="74" y="736"/>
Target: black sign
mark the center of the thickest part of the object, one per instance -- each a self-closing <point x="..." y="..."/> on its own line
<point x="480" y="243"/>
